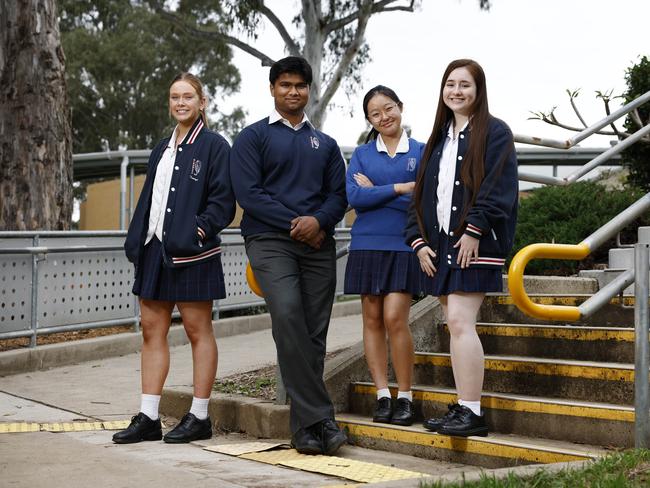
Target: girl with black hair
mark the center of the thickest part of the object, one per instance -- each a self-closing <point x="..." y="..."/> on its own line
<point x="380" y="267"/>
<point x="461" y="226"/>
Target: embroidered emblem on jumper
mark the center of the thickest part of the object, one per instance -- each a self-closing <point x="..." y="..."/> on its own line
<point x="196" y="169"/>
<point x="315" y="143"/>
<point x="410" y="164"/>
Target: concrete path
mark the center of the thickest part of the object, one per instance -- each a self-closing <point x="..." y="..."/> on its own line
<point x="108" y="389"/>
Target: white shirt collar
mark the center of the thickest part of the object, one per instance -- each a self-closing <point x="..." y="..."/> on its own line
<point x="172" y="140"/>
<point x="275" y="117"/>
<point x="402" y="145"/>
<point x="450" y="131"/>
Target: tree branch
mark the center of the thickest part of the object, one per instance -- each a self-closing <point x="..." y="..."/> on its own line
<point x="345" y="60"/>
<point x="572" y="96"/>
<point x="214" y="35"/>
<point x="382" y="6"/>
<point x="282" y="30"/>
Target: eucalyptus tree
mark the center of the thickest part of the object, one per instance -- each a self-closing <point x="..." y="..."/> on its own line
<point x="329" y="34"/>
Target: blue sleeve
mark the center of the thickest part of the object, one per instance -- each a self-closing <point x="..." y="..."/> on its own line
<point x="246" y="177"/>
<point x="362" y="198"/>
<point x="333" y="208"/>
<point x="220" y="207"/>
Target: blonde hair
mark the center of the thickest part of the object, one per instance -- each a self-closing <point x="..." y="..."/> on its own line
<point x="198" y="87"/>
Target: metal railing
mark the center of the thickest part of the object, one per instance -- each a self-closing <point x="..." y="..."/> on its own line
<point x="48" y="266"/>
<point x="639" y="275"/>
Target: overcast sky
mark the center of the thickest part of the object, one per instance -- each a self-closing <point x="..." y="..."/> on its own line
<point x="531" y="51"/>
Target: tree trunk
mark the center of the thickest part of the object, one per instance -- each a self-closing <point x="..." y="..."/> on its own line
<point x="35" y="133"/>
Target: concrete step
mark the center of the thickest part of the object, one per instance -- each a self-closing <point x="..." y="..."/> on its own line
<point x="578" y="342"/>
<point x="619" y="312"/>
<point x="602" y="424"/>
<point x="494" y="451"/>
<point x="621" y="258"/>
<point x="558" y="378"/>
<point x="644" y="235"/>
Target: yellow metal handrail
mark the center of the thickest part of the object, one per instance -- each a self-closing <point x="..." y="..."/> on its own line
<point x="516" y="278"/>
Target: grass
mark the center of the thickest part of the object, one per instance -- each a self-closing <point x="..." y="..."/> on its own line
<point x="627" y="469"/>
<point x="257" y="384"/>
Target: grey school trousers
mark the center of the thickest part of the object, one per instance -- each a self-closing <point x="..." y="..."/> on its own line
<point x="298" y="284"/>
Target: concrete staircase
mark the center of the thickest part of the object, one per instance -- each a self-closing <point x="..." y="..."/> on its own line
<point x="552" y="392"/>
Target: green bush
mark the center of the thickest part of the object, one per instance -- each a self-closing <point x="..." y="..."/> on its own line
<point x="569" y="214"/>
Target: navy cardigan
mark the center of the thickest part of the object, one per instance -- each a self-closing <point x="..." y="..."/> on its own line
<point x="493" y="216"/>
<point x="200" y="202"/>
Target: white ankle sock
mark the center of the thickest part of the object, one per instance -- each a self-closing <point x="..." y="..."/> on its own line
<point x="473" y="406"/>
<point x="149" y="405"/>
<point x="200" y="408"/>
<point x="405" y="394"/>
<point x="383" y="393"/>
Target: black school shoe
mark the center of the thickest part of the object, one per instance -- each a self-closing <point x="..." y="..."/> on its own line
<point x="433" y="424"/>
<point x="464" y="424"/>
<point x="141" y="428"/>
<point x="189" y="429"/>
<point x="383" y="410"/>
<point x="305" y="441"/>
<point x="332" y="436"/>
<point x="403" y="414"/>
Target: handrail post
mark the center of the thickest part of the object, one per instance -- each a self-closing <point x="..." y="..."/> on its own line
<point x="123" y="167"/>
<point x="34" y="314"/>
<point x="641" y="363"/>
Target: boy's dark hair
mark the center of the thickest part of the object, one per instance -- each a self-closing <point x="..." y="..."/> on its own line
<point x="291" y="64"/>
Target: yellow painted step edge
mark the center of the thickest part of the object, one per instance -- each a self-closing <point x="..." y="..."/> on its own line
<point x="518" y="405"/>
<point x="560" y="300"/>
<point x="541" y="368"/>
<point x="472" y="445"/>
<point x="573" y="333"/>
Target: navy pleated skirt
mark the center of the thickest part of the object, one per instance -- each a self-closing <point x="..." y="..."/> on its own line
<point x="381" y="272"/>
<point x="448" y="280"/>
<point x="199" y="282"/>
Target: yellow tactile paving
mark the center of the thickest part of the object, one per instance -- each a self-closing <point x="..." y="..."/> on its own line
<point x="351" y="469"/>
<point x="16" y="427"/>
<point x="472" y="445"/>
<point x="541" y="368"/>
<point x="333" y="466"/>
<point x="519" y="405"/>
<point x="240" y="448"/>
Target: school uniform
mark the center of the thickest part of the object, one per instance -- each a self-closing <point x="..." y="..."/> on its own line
<point x="379" y="262"/>
<point x="491" y="219"/>
<point x="280" y="172"/>
<point x="186" y="200"/>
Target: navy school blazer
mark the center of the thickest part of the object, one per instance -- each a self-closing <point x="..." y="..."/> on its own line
<point x="493" y="216"/>
<point x="200" y="202"/>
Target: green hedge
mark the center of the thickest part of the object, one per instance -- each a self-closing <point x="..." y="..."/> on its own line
<point x="567" y="215"/>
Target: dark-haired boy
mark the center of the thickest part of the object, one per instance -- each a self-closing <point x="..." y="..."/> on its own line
<point x="290" y="180"/>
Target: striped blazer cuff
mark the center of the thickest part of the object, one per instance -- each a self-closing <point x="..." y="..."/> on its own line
<point x="418" y="243"/>
<point x="473" y="231"/>
<point x="201" y="233"/>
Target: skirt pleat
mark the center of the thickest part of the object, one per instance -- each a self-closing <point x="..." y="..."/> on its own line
<point x="199" y="282"/>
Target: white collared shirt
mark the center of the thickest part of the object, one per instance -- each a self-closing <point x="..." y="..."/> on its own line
<point x="402" y="145"/>
<point x="161" y="189"/>
<point x="275" y="116"/>
<point x="446" y="178"/>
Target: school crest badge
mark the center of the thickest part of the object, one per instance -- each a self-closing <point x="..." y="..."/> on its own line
<point x="410" y="164"/>
<point x="196" y="169"/>
<point x="315" y="143"/>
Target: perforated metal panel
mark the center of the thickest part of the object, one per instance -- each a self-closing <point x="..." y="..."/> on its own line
<point x="15" y="292"/>
<point x="76" y="288"/>
<point x="84" y="287"/>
